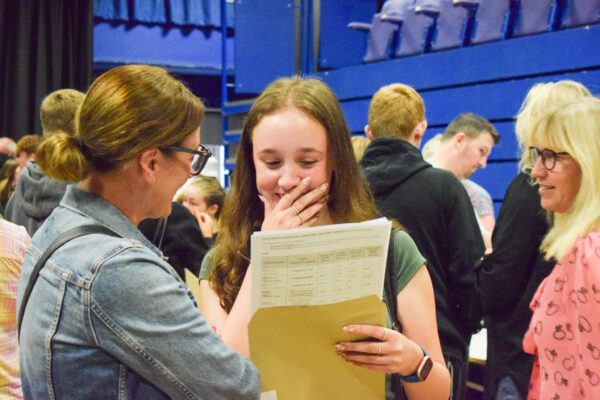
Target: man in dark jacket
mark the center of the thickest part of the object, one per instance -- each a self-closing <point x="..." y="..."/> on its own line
<point x="435" y="209"/>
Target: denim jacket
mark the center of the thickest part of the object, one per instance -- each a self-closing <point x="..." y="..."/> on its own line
<point x="109" y="319"/>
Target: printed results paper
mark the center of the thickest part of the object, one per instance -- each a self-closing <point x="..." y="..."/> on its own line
<point x="319" y="265"/>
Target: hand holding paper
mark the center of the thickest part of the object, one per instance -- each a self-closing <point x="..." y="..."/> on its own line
<point x="306" y="285"/>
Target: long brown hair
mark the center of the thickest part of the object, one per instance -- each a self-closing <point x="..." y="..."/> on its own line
<point x="350" y="199"/>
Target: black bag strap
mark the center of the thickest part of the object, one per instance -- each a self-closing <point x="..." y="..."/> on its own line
<point x="390" y="284"/>
<point x="390" y="297"/>
<point x="159" y="232"/>
<point x="58" y="242"/>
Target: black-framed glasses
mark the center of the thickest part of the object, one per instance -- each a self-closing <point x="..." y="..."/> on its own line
<point x="549" y="157"/>
<point x="201" y="156"/>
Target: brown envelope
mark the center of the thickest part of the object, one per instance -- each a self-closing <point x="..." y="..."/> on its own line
<point x="293" y="348"/>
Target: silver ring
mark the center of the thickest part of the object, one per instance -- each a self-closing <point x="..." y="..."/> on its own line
<point x="295" y="209"/>
<point x="301" y="220"/>
<point x="379" y="349"/>
<point x="385" y="333"/>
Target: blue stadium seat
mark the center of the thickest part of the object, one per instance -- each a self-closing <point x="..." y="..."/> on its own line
<point x="416" y="33"/>
<point x="383" y="29"/>
<point x="536" y="16"/>
<point x="581" y="12"/>
<point x="455" y="24"/>
<point x="492" y="20"/>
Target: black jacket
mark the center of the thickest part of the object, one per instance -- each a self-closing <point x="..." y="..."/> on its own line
<point x="509" y="278"/>
<point x="182" y="242"/>
<point x="435" y="209"/>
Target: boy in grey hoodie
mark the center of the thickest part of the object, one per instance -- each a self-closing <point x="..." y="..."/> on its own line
<point x="36" y="195"/>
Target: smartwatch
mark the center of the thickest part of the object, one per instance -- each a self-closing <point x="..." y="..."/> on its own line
<point x="422" y="371"/>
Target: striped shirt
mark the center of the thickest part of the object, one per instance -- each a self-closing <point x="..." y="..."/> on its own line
<point x="13" y="241"/>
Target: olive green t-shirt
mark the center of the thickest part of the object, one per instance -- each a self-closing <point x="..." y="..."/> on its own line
<point x="407" y="259"/>
<point x="207" y="264"/>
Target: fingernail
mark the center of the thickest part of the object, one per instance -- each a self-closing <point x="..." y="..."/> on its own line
<point x="324" y="199"/>
<point x="340" y="347"/>
<point x="305" y="180"/>
<point x="324" y="186"/>
<point x="348" y="329"/>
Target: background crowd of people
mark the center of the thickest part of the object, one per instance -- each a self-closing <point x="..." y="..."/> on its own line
<point x="110" y="314"/>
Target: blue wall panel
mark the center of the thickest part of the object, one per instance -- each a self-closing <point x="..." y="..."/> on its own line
<point x="265" y="43"/>
<point x="152" y="44"/>
<point x="507" y="148"/>
<point x="340" y="46"/>
<point x="495" y="101"/>
<point x="496" y="177"/>
<point x="548" y="53"/>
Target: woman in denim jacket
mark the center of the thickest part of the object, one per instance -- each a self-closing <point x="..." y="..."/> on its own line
<point x="108" y="317"/>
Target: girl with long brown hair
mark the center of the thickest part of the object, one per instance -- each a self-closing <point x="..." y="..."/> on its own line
<point x="296" y="168"/>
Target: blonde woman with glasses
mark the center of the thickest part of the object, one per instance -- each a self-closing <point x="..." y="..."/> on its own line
<point x="564" y="332"/>
<point x="511" y="274"/>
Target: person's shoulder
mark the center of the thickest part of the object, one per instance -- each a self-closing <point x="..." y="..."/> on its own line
<point x="33" y="171"/>
<point x="585" y="257"/>
<point x="207" y="265"/>
<point x="474" y="187"/>
<point x="590" y="244"/>
<point x="594" y="236"/>
<point x="441" y="175"/>
<point x="8" y="228"/>
<point x="13" y="239"/>
<point x="401" y="236"/>
<point x="13" y="230"/>
<point x="124" y="257"/>
<point x="470" y="185"/>
<point x="441" y="183"/>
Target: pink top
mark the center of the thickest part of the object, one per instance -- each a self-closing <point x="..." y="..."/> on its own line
<point x="13" y="241"/>
<point x="564" y="333"/>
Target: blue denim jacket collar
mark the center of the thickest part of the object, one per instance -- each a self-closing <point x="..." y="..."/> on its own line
<point x="104" y="213"/>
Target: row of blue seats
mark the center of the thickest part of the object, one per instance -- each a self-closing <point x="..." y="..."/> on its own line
<point x="407" y="27"/>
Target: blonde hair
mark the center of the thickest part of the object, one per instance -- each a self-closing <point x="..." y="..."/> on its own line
<point x="431" y="146"/>
<point x="127" y="110"/>
<point x="395" y="110"/>
<point x="212" y="192"/>
<point x="359" y="145"/>
<point x="539" y="98"/>
<point x="58" y="111"/>
<point x="572" y="127"/>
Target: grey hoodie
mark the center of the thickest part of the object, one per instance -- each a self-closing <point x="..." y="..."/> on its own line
<point x="34" y="198"/>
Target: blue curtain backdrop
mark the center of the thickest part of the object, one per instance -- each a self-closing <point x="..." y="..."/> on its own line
<point x="200" y="13"/>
